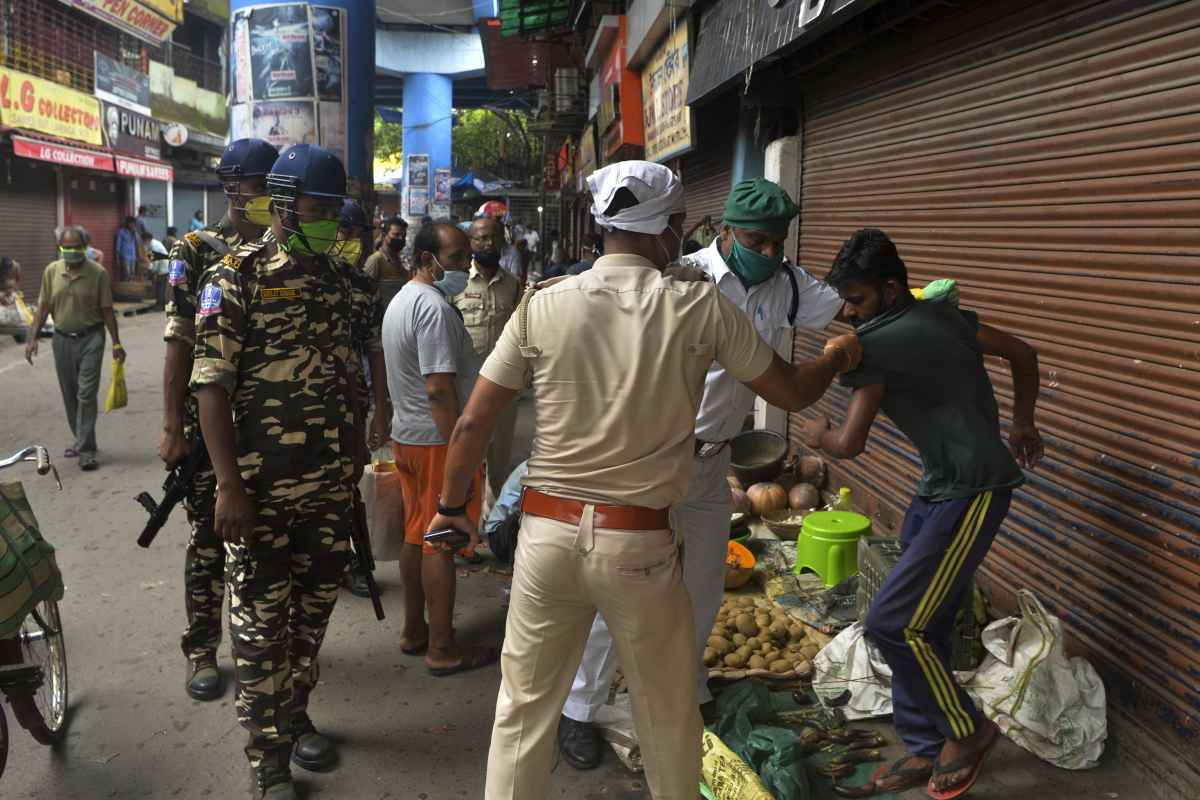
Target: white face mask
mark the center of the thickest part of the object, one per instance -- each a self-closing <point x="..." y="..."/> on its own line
<point x="678" y="250"/>
<point x="453" y="281"/>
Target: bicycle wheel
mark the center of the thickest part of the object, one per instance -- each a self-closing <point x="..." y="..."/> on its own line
<point x="3" y="740"/>
<point x="42" y="710"/>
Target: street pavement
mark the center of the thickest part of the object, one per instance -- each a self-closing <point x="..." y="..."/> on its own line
<point x="134" y="733"/>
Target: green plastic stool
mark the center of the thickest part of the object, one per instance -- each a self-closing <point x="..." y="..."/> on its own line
<point x="828" y="544"/>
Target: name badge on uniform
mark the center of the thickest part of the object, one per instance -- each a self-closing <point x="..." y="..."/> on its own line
<point x="210" y="300"/>
<point x="280" y="293"/>
<point x="178" y="272"/>
<point x="472" y="296"/>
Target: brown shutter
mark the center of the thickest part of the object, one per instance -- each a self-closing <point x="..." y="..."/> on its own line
<point x="707" y="172"/>
<point x="97" y="203"/>
<point x="1047" y="156"/>
<point x="29" y="208"/>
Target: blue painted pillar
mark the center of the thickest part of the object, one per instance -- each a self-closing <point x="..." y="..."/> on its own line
<point x="428" y="103"/>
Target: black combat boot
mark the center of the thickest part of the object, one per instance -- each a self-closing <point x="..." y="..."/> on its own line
<point x="270" y="781"/>
<point x="204" y="679"/>
<point x="312" y="751"/>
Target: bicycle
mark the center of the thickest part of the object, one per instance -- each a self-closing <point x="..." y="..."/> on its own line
<point x="33" y="658"/>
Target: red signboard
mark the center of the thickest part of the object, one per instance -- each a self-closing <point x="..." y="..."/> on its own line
<point x="62" y="154"/>
<point x="150" y="170"/>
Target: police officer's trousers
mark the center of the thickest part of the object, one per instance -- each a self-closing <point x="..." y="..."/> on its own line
<point x="702" y="520"/>
<point x="912" y="617"/>
<point x="283" y="586"/>
<point x="563" y="575"/>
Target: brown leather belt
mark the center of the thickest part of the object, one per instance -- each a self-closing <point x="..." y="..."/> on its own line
<point x="629" y="518"/>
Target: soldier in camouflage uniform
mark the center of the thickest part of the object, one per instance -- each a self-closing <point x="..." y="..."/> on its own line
<point x="243" y="171"/>
<point x="272" y="374"/>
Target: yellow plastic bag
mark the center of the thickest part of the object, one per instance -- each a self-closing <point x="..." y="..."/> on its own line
<point x="727" y="776"/>
<point x="117" y="396"/>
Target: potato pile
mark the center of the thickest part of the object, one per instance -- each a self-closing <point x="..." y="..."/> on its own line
<point x="748" y="635"/>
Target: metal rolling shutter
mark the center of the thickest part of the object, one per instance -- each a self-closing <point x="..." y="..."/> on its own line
<point x="1047" y="155"/>
<point x="707" y="172"/>
<point x="98" y="204"/>
<point x="29" y="208"/>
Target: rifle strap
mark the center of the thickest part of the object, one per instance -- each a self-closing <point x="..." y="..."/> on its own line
<point x="217" y="244"/>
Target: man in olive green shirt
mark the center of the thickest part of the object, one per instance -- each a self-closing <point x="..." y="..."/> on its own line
<point x="77" y="294"/>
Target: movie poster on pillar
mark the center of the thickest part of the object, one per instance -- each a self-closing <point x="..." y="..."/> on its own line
<point x="280" y="54"/>
<point x="285" y="123"/>
<point x="327" y="51"/>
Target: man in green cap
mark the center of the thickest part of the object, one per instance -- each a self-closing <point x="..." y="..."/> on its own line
<point x="746" y="263"/>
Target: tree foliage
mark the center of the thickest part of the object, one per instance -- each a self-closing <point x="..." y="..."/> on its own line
<point x="497" y="141"/>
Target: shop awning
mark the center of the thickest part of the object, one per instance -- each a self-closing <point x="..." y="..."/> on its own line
<point x="68" y="155"/>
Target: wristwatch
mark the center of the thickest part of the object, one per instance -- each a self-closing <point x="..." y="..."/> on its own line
<point x="451" y="511"/>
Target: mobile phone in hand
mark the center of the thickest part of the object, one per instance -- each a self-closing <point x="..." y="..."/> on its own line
<point x="451" y="536"/>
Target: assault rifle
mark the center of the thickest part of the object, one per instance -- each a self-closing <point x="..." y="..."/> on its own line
<point x="363" y="557"/>
<point x="175" y="488"/>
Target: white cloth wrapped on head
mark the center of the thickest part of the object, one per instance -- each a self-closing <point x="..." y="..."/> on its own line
<point x="659" y="194"/>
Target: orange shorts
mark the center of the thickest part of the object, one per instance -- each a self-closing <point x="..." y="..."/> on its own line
<point x="421" y="468"/>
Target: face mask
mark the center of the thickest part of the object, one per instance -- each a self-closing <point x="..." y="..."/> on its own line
<point x="321" y="236"/>
<point x="72" y="255"/>
<point x="487" y="258"/>
<point x="453" y="283"/>
<point x="678" y="250"/>
<point x="257" y="211"/>
<point x="351" y="250"/>
<point x="396" y="245"/>
<point x="751" y="267"/>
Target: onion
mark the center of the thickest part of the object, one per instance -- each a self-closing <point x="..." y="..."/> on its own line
<point x="765" y="497"/>
<point x="804" y="496"/>
<point x="812" y="470"/>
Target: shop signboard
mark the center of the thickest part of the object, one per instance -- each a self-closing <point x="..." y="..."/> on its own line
<point x="550" y="171"/>
<point x="135" y="17"/>
<point x="122" y="85"/>
<point x="41" y="105"/>
<point x="62" y="154"/>
<point x="619" y="121"/>
<point x="666" y="117"/>
<point x="146" y="170"/>
<point x="130" y="132"/>
<point x="587" y="156"/>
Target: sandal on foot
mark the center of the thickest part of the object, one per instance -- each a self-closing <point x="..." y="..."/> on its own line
<point x="416" y="649"/>
<point x="973" y="761"/>
<point x="472" y="658"/>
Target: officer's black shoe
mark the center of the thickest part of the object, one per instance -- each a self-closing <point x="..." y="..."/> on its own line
<point x="579" y="743"/>
<point x="271" y="783"/>
<point x="204" y="680"/>
<point x="356" y="583"/>
<point x="314" y="752"/>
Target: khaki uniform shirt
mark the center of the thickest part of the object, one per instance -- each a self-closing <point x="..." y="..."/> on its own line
<point x="486" y="306"/>
<point x="279" y="338"/>
<point x="75" y="299"/>
<point x="617" y="358"/>
<point x="390" y="276"/>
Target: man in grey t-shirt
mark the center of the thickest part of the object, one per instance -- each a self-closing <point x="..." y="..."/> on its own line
<point x="431" y="369"/>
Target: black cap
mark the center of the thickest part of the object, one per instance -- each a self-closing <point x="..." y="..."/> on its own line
<point x="307" y="169"/>
<point x="246" y="158"/>
<point x="353" y="215"/>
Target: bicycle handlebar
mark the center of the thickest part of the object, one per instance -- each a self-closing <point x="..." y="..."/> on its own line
<point x="38" y="454"/>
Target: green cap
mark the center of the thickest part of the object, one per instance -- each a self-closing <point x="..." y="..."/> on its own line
<point x="760" y="205"/>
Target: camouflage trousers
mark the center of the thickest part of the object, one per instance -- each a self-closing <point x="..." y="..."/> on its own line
<point x="203" y="573"/>
<point x="282" y="588"/>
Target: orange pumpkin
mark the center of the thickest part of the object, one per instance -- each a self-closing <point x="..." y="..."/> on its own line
<point x="765" y="497"/>
<point x="739" y="565"/>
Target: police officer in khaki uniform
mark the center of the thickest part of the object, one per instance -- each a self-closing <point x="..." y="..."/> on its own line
<point x="243" y="172"/>
<point x="486" y="304"/>
<point x="275" y="341"/>
<point x="625" y="349"/>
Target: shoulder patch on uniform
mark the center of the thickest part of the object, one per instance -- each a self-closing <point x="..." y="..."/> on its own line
<point x="192" y="239"/>
<point x="280" y="293"/>
<point x="177" y="274"/>
<point x="210" y="300"/>
<point x="231" y="261"/>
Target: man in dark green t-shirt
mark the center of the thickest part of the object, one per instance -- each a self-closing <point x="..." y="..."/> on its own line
<point x="922" y="365"/>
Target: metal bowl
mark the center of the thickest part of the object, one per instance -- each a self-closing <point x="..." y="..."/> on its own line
<point x="757" y="456"/>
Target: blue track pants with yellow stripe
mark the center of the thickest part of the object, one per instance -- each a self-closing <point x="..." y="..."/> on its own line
<point x="912" y="617"/>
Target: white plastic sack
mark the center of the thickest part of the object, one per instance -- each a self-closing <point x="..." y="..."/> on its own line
<point x="1051" y="705"/>
<point x="851" y="663"/>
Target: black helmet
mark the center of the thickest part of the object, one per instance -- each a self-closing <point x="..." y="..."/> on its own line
<point x="306" y="169"/>
<point x="245" y="158"/>
<point x="353" y="216"/>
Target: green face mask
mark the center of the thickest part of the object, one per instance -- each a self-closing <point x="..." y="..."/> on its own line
<point x="751" y="267"/>
<point x="72" y="255"/>
<point x="321" y="236"/>
<point x="257" y="211"/>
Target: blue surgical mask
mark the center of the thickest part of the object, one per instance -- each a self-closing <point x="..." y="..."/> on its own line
<point x="453" y="282"/>
<point x="751" y="267"/>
